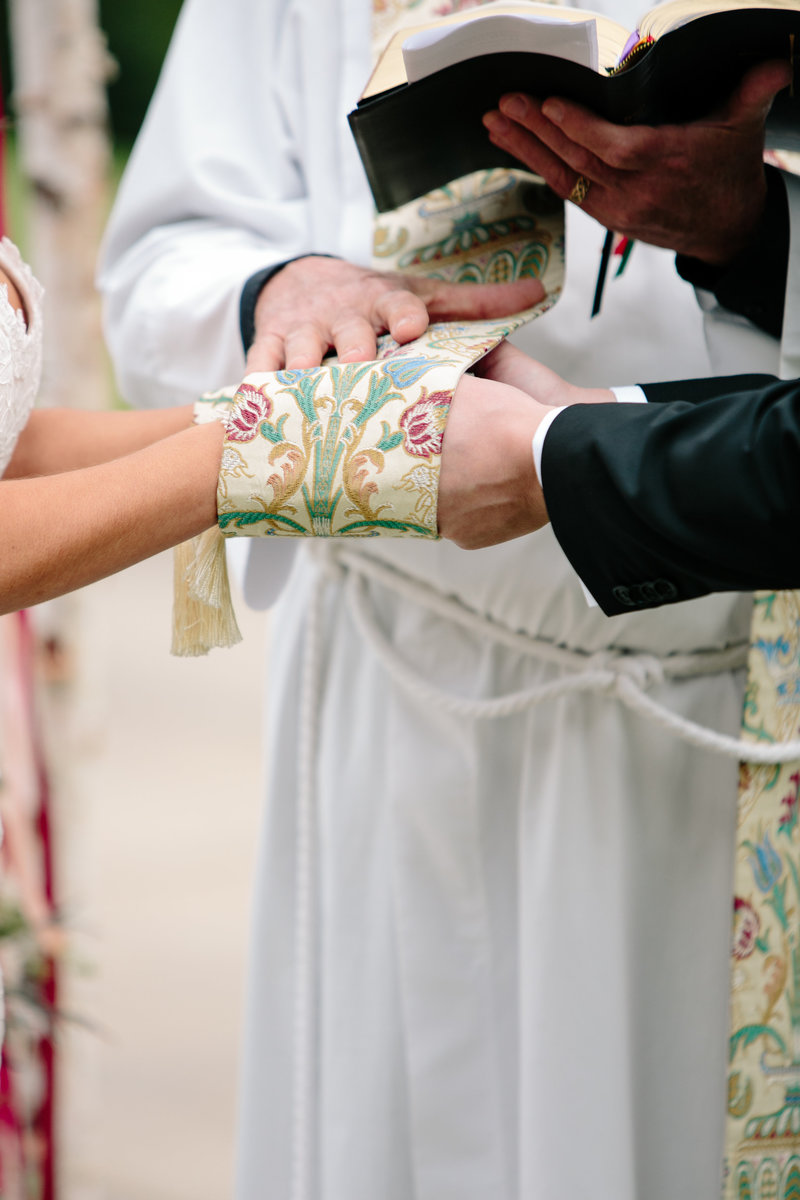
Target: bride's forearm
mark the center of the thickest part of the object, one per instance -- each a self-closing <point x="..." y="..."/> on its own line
<point x="66" y="530"/>
<point x="65" y="439"/>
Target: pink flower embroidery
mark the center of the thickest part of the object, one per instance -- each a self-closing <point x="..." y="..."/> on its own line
<point x="423" y="424"/>
<point x="745" y="928"/>
<point x="789" y="806"/>
<point x="251" y="407"/>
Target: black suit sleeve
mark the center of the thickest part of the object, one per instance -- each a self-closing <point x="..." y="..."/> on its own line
<point x="754" y="283"/>
<point x="659" y="502"/>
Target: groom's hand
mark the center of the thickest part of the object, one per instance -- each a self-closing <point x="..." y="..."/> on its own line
<point x="507" y="364"/>
<point x="489" y="491"/>
<point x="315" y="303"/>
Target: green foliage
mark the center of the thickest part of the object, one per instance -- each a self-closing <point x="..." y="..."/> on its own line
<point x="12" y="922"/>
<point x="138" y="33"/>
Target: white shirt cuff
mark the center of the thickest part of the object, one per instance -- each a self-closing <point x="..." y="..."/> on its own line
<point x="629" y="395"/>
<point x="538" y="439"/>
<point x="623" y="395"/>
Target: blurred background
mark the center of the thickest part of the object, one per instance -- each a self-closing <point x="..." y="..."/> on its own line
<point x="137" y="35"/>
<point x="124" y="1004"/>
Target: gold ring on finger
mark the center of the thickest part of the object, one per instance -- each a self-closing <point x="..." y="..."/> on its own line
<point x="580" y="190"/>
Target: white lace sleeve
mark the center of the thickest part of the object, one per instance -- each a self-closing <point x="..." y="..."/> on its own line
<point x="20" y="350"/>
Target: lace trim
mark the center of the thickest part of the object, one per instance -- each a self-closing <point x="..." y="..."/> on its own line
<point x="20" y="349"/>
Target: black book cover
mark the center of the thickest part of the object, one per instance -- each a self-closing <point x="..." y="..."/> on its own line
<point x="420" y="136"/>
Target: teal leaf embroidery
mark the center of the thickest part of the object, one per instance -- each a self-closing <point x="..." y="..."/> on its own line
<point x="243" y="519"/>
<point x="749" y="1033"/>
<point x="388" y="440"/>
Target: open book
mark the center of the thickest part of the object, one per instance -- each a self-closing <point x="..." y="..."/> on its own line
<point x="418" y="122"/>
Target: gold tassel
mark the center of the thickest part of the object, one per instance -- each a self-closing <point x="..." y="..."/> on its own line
<point x="202" y="612"/>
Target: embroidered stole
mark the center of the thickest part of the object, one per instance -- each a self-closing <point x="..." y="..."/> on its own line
<point x="355" y="449"/>
<point x="762" y="1144"/>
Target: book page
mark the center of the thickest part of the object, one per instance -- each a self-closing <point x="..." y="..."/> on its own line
<point x="493" y="33"/>
<point x="675" y="13"/>
<point x="390" y="71"/>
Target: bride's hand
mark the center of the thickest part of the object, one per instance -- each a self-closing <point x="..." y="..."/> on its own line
<point x="507" y="364"/>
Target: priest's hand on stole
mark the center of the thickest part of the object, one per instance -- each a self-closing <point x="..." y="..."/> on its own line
<point x="698" y="188"/>
<point x="314" y="304"/>
<point x="489" y="491"/>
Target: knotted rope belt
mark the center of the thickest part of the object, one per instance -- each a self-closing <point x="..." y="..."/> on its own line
<point x="311" y="470"/>
<point x="760" y="1145"/>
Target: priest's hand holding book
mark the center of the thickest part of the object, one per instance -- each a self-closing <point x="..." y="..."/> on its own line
<point x="697" y="188"/>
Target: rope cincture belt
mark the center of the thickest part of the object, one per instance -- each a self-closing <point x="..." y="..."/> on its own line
<point x="624" y="676"/>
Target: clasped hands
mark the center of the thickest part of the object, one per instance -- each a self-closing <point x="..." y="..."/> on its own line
<point x="698" y="189"/>
<point x="489" y="491"/>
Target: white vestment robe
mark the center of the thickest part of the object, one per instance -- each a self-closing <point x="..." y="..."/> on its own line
<point x="518" y="927"/>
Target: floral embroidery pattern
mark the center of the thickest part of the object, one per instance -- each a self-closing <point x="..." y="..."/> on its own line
<point x="493" y="226"/>
<point x="499" y="251"/>
<point x="745" y="928"/>
<point x="214" y="406"/>
<point x="336" y="450"/>
<point x="762" y="1153"/>
<point x="253" y="409"/>
<point x="354" y="449"/>
<point x="789" y="804"/>
<point x="423" y="483"/>
<point x="765" y="863"/>
<point x="423" y="424"/>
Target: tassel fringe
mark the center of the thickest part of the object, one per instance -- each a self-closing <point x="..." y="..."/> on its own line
<point x="202" y="612"/>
